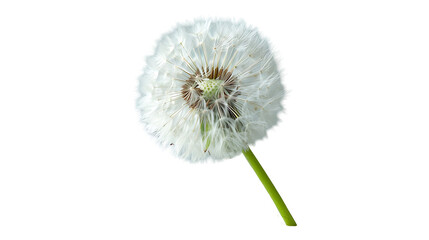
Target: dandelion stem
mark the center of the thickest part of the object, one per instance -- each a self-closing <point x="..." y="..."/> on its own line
<point x="269" y="186"/>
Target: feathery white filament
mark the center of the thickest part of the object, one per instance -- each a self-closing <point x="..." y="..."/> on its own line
<point x="210" y="89"/>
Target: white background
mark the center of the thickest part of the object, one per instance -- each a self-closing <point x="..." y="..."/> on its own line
<point x="349" y="157"/>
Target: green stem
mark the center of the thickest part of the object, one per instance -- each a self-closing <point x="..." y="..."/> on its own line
<point x="269" y="186"/>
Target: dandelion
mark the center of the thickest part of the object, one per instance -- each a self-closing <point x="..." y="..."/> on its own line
<point x="211" y="89"/>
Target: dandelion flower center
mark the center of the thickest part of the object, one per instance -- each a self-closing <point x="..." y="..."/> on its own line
<point x="210" y="88"/>
<point x="215" y="89"/>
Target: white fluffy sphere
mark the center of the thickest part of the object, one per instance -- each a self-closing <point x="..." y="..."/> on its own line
<point x="210" y="89"/>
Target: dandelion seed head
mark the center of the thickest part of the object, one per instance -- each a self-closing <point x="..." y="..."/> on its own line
<point x="210" y="89"/>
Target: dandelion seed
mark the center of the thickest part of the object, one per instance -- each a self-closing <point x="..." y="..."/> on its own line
<point x="227" y="94"/>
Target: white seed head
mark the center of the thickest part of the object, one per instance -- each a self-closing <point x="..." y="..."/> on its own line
<point x="210" y="89"/>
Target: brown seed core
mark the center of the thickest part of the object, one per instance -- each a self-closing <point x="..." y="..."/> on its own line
<point x="193" y="95"/>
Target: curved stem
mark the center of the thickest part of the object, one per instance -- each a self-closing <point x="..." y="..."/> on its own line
<point x="269" y="186"/>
